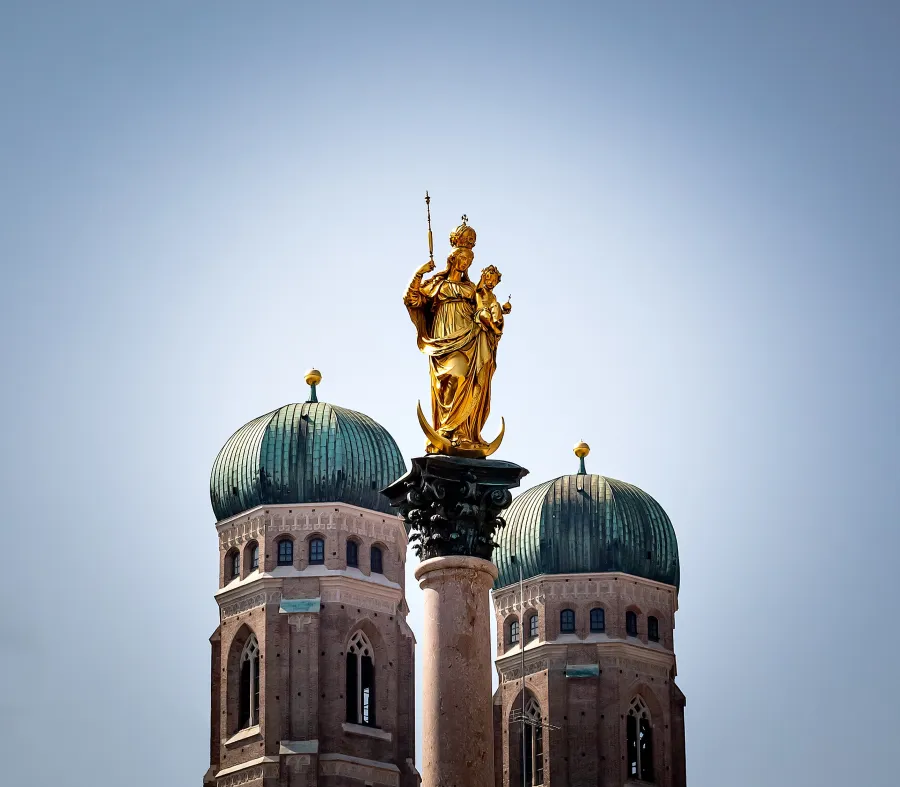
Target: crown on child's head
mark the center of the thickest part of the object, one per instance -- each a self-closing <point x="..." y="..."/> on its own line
<point x="463" y="237"/>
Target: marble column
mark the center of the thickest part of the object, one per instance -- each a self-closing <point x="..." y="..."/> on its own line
<point x="458" y="734"/>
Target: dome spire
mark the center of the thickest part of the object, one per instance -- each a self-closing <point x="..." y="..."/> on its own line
<point x="313" y="378"/>
<point x="582" y="449"/>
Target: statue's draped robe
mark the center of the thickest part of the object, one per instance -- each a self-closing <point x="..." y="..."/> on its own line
<point x="461" y="354"/>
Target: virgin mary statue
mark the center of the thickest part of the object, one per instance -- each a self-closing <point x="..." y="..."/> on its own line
<point x="461" y="351"/>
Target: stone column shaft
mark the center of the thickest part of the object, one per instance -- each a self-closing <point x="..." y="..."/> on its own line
<point x="458" y="730"/>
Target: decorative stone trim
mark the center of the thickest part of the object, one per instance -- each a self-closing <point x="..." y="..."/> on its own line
<point x="311" y="517"/>
<point x="242" y="531"/>
<point x="249" y="601"/>
<point x="515" y="673"/>
<point x="539" y="590"/>
<point x="248" y="771"/>
<point x="612" y="656"/>
<point x="349" y="590"/>
<point x="242" y="735"/>
<point x="368" y="732"/>
<point x="358" y="768"/>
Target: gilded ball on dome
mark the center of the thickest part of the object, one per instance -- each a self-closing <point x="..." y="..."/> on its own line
<point x="313" y="377"/>
<point x="582" y="449"/>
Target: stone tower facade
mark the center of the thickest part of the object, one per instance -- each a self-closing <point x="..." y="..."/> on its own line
<point x="600" y="694"/>
<point x="312" y="669"/>
<point x="585" y="607"/>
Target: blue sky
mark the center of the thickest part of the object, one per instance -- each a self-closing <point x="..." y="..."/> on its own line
<point x="694" y="207"/>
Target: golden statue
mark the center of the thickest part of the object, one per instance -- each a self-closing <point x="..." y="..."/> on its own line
<point x="459" y="325"/>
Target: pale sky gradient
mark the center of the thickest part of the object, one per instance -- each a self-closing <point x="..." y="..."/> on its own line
<point x="695" y="208"/>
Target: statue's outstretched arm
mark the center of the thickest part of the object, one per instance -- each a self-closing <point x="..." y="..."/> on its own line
<point x="414" y="296"/>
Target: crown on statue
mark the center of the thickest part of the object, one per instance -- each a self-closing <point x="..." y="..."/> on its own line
<point x="463" y="237"/>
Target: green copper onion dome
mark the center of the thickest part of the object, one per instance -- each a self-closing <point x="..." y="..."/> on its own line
<point x="305" y="453"/>
<point x="587" y="523"/>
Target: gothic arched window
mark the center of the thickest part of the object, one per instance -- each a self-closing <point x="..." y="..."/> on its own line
<point x="534" y="744"/>
<point x="653" y="629"/>
<point x="285" y="552"/>
<point x="631" y="624"/>
<point x="598" y="619"/>
<point x="352" y="553"/>
<point x="640" y="741"/>
<point x="234" y="565"/>
<point x="248" y="693"/>
<point x="514" y="632"/>
<point x="360" y="681"/>
<point x="316" y="551"/>
<point x="254" y="556"/>
<point x="533" y="626"/>
<point x="567" y="621"/>
<point x="376" y="561"/>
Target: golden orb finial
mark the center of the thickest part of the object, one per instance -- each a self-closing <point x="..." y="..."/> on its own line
<point x="313" y="377"/>
<point x="582" y="449"/>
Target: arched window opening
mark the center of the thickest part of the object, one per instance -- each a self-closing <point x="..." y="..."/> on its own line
<point x="248" y="694"/>
<point x="254" y="557"/>
<point x="534" y="745"/>
<point x="533" y="626"/>
<point x="640" y="741"/>
<point x="653" y="629"/>
<point x="234" y="565"/>
<point x="514" y="632"/>
<point x="316" y="551"/>
<point x="598" y="620"/>
<point x="567" y="621"/>
<point x="631" y="624"/>
<point x="285" y="552"/>
<point x="376" y="561"/>
<point x="360" y="681"/>
<point x="352" y="553"/>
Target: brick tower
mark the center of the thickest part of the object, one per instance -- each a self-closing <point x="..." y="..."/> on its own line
<point x="588" y="586"/>
<point x="312" y="662"/>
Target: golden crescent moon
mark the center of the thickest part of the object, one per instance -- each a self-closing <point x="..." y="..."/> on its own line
<point x="438" y="441"/>
<point x="495" y="443"/>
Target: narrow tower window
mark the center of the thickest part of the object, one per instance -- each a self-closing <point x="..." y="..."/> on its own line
<point x="376" y="562"/>
<point x="248" y="694"/>
<point x="235" y="565"/>
<point x="514" y="632"/>
<point x="285" y="552"/>
<point x="653" y="629"/>
<point x="598" y="620"/>
<point x="640" y="741"/>
<point x="360" y="681"/>
<point x="352" y="553"/>
<point x="533" y="626"/>
<point x="567" y="621"/>
<point x="254" y="557"/>
<point x="316" y="551"/>
<point x="631" y="624"/>
<point x="534" y="745"/>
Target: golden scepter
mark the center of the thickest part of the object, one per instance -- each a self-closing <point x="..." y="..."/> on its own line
<point x="430" y="239"/>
